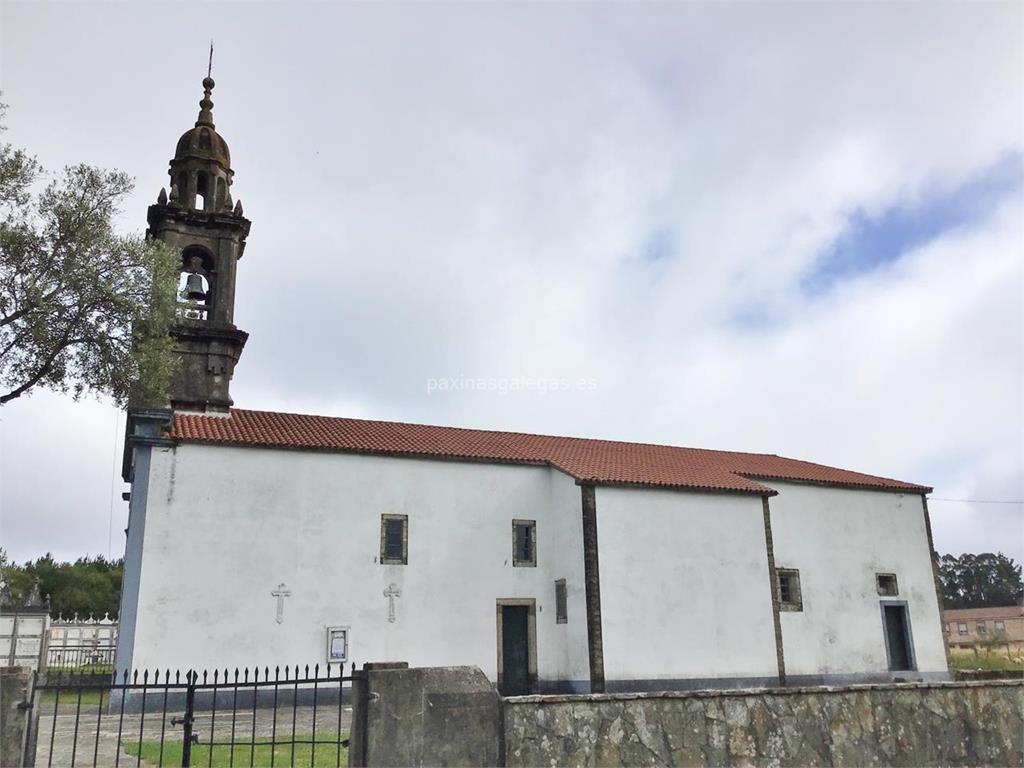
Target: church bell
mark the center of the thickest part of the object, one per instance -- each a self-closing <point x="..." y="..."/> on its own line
<point x="194" y="288"/>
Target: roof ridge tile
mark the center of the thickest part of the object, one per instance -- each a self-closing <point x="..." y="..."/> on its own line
<point x="592" y="460"/>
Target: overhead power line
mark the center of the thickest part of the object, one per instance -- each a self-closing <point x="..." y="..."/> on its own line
<point x="978" y="501"/>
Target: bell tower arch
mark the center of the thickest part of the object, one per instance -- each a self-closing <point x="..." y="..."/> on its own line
<point x="202" y="223"/>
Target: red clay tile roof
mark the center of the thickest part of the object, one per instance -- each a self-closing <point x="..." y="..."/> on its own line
<point x="1005" y="612"/>
<point x="592" y="461"/>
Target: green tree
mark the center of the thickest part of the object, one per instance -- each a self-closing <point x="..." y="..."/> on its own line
<point x="81" y="307"/>
<point x="90" y="585"/>
<point x="980" y="581"/>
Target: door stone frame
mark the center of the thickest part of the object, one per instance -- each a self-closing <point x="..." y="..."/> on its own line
<point x="531" y="637"/>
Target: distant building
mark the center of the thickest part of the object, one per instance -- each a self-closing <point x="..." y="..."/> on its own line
<point x="970" y="627"/>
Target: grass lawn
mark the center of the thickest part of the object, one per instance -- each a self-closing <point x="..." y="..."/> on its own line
<point x="327" y="753"/>
<point x="69" y="698"/>
<point x="996" y="660"/>
<point x="85" y="669"/>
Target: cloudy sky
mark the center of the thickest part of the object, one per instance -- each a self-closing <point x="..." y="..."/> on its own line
<point x="788" y="228"/>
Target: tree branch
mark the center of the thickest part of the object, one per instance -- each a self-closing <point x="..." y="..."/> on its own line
<point x="16" y="315"/>
<point x="44" y="369"/>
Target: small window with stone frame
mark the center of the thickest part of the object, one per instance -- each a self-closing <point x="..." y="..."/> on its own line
<point x="886" y="585"/>
<point x="394" y="539"/>
<point x="982" y="628"/>
<point x="789" y="590"/>
<point x="524" y="543"/>
<point x="561" y="603"/>
<point x="1000" y="626"/>
<point x="961" y="628"/>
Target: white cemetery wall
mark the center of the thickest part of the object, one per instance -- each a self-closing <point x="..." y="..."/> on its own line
<point x="839" y="539"/>
<point x="685" y="590"/>
<point x="79" y="642"/>
<point x="22" y="639"/>
<point x="224" y="527"/>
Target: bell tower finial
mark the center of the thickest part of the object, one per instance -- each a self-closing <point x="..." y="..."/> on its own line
<point x="206" y="105"/>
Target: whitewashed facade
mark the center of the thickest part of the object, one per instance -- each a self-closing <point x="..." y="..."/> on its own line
<point x="225" y="526"/>
<point x="839" y="539"/>
<point x="685" y="586"/>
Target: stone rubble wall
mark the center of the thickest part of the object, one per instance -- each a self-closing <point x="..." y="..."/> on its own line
<point x="907" y="724"/>
<point x="14" y="686"/>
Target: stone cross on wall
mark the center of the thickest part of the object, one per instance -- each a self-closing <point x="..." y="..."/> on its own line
<point x="391" y="593"/>
<point x="280" y="593"/>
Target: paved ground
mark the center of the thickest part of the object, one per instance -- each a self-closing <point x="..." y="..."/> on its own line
<point x="97" y="742"/>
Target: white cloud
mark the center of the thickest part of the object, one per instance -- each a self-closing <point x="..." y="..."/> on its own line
<point x="467" y="190"/>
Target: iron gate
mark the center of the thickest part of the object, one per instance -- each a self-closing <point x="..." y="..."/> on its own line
<point x="260" y="717"/>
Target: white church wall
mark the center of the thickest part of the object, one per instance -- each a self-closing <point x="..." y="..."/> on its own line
<point x="685" y="591"/>
<point x="839" y="539"/>
<point x="567" y="642"/>
<point x="225" y="526"/>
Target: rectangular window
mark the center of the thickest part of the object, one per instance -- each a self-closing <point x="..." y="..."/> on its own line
<point x="886" y="584"/>
<point x="1000" y="626"/>
<point x="394" y="539"/>
<point x="524" y="543"/>
<point x="789" y="590"/>
<point x="961" y="627"/>
<point x="561" y="603"/>
<point x="947" y="628"/>
<point x="982" y="629"/>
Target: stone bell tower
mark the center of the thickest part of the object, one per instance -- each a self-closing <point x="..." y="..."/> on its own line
<point x="199" y="220"/>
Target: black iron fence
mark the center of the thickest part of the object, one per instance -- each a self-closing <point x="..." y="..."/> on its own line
<point x="252" y="717"/>
<point x="79" y="656"/>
